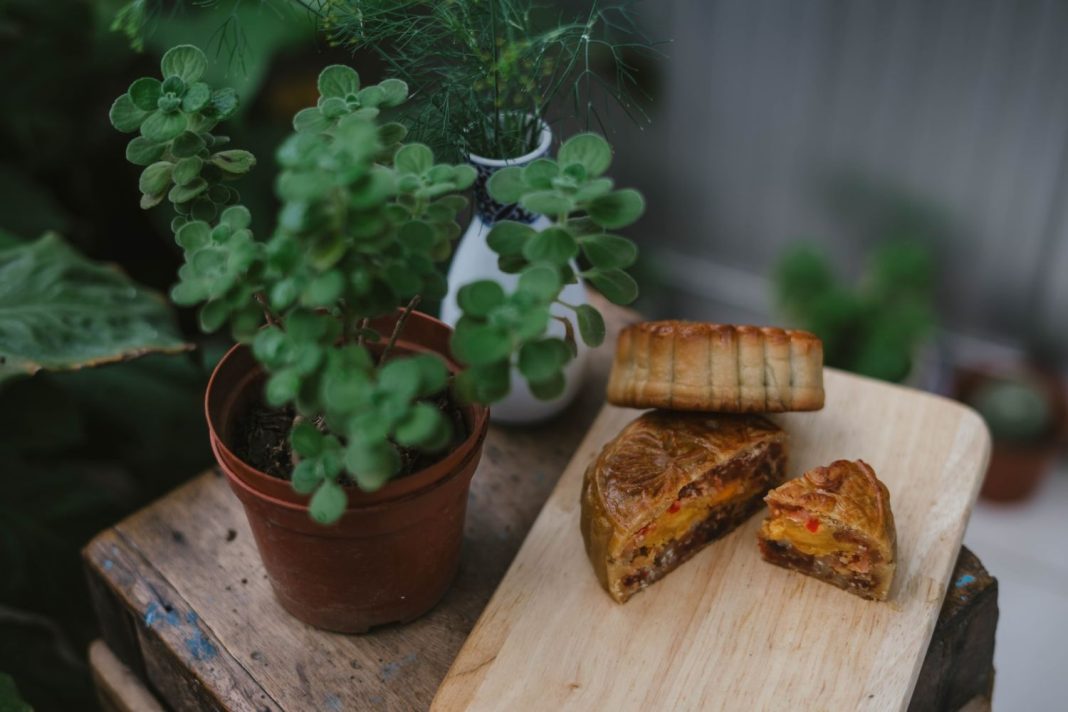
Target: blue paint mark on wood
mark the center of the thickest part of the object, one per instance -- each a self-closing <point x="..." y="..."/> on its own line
<point x="391" y="669"/>
<point x="333" y="703"/>
<point x="108" y="564"/>
<point x="199" y="647"/>
<point x="196" y="643"/>
<point x="964" y="581"/>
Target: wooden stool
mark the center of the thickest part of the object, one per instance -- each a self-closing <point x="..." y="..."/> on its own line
<point x="185" y="605"/>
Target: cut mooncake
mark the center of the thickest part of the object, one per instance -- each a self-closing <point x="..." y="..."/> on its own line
<point x="668" y="484"/>
<point x="722" y="368"/>
<point x="834" y="523"/>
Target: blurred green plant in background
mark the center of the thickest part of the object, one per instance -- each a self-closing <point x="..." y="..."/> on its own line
<point x="83" y="447"/>
<point x="873" y="327"/>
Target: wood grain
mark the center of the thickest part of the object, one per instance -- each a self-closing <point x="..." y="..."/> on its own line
<point x="117" y="687"/>
<point x="726" y="630"/>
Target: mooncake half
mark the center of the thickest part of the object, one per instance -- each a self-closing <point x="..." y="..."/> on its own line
<point x="668" y="484"/>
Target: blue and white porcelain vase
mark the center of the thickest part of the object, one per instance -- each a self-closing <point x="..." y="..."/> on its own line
<point x="474" y="260"/>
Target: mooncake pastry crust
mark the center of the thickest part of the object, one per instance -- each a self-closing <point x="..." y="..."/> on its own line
<point x="849" y="500"/>
<point x="665" y="468"/>
<point x="725" y="368"/>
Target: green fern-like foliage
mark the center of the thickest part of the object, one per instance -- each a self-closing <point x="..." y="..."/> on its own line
<point x="486" y="73"/>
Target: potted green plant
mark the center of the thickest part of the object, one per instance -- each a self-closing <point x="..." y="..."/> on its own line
<point x="1025" y="410"/>
<point x="342" y="401"/>
<point x="875" y="327"/>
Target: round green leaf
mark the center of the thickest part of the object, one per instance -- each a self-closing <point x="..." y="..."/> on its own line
<point x="591" y="325"/>
<point x="593" y="189"/>
<point x="541" y="282"/>
<point x="282" y="387"/>
<point x="541" y="360"/>
<point x="394" y="92"/>
<point x="324" y="290"/>
<point x="185" y="62"/>
<point x="236" y="216"/>
<point x="151" y="200"/>
<point x="234" y="161"/>
<point x="371" y="96"/>
<point x="173" y="85"/>
<point x="463" y="176"/>
<point x="481" y="344"/>
<point x="187" y="144"/>
<point x="187" y="169"/>
<point x="328" y="503"/>
<point x="372" y="463"/>
<point x="480" y="298"/>
<point x="607" y="251"/>
<point x="421" y="426"/>
<point x="616" y="285"/>
<point x="540" y="173"/>
<point x="142" y="152"/>
<point x="332" y="107"/>
<point x="183" y="193"/>
<point x="338" y="80"/>
<point x="554" y="244"/>
<point x="125" y="116"/>
<point x="414" y="158"/>
<point x="306" y="477"/>
<point x="392" y="132"/>
<point x="213" y="315"/>
<point x="306" y="439"/>
<point x="196" y="97"/>
<point x="549" y="388"/>
<point x="433" y="374"/>
<point x="160" y="127"/>
<point x="224" y="103"/>
<point x="547" y="202"/>
<point x="508" y="237"/>
<point x="588" y="150"/>
<point x="156" y="178"/>
<point x="193" y="235"/>
<point x="617" y="209"/>
<point x="144" y="93"/>
<point x="400" y="377"/>
<point x="484" y="384"/>
<point x="416" y="235"/>
<point x="506" y="185"/>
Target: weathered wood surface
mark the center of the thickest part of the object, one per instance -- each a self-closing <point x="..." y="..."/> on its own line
<point x="117" y="687"/>
<point x="183" y="600"/>
<point x="726" y="631"/>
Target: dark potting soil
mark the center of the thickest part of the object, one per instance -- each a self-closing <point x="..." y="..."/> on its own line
<point x="261" y="438"/>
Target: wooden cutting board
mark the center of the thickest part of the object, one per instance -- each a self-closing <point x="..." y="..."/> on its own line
<point x="726" y="630"/>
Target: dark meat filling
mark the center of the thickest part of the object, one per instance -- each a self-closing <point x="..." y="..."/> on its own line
<point x="721" y="521"/>
<point x="825" y="568"/>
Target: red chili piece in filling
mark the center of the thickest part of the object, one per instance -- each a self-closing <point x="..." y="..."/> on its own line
<point x="813" y="525"/>
<point x="675" y="506"/>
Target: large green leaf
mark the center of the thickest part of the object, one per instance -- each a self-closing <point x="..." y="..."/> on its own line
<point x="60" y="311"/>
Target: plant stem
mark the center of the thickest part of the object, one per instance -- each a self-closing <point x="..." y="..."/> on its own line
<point x="271" y="317"/>
<point x="362" y="329"/>
<point x="399" y="326"/>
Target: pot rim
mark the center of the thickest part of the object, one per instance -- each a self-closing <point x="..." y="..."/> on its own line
<point x="264" y="484"/>
<point x="546" y="138"/>
<point x="353" y="506"/>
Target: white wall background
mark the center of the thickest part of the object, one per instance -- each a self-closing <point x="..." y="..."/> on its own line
<point x="957" y="108"/>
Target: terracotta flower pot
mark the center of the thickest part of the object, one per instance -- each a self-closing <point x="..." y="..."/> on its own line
<point x="1017" y="469"/>
<point x="394" y="552"/>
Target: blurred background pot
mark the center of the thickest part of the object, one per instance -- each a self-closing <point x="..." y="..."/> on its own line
<point x="1026" y="411"/>
<point x="394" y="552"/>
